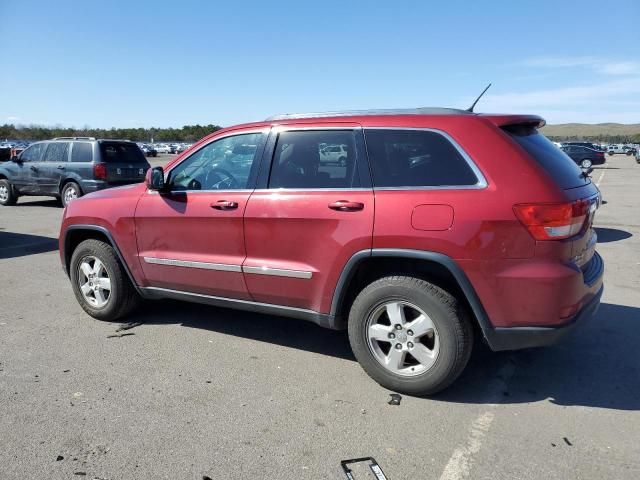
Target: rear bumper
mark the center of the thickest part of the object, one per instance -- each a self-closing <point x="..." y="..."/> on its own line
<point x="516" y="338"/>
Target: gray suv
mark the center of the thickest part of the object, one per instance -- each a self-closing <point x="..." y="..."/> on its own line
<point x="69" y="167"/>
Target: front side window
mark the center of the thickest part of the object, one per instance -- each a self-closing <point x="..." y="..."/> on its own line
<point x="33" y="153"/>
<point x="315" y="159"/>
<point x="225" y="164"/>
<point x="57" y="152"/>
<point x="416" y="158"/>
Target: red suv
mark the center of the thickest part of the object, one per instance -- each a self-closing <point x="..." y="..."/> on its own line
<point x="438" y="225"/>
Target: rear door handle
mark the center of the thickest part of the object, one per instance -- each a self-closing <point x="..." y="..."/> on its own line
<point x="346" y="206"/>
<point x="60" y="167"/>
<point x="35" y="169"/>
<point x="224" y="205"/>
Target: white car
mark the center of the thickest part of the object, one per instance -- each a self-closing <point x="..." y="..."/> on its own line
<point x="162" y="148"/>
<point x="334" y="154"/>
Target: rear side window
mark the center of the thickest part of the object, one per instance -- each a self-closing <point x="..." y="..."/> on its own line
<point x="33" y="153"/>
<point x="416" y="158"/>
<point x="82" y="152"/>
<point x="554" y="161"/>
<point x="315" y="159"/>
<point x="57" y="152"/>
<point x="113" y="152"/>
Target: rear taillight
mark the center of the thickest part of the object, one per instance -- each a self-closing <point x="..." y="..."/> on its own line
<point x="100" y="171"/>
<point x="553" y="221"/>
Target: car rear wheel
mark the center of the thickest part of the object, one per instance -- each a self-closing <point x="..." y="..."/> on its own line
<point x="409" y="335"/>
<point x="7" y="195"/>
<point x="99" y="281"/>
<point x="69" y="193"/>
<point x="586" y="163"/>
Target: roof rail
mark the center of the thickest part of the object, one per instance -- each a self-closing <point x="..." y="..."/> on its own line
<point x="73" y="138"/>
<point x="383" y="111"/>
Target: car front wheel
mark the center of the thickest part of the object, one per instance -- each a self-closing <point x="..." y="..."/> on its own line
<point x="409" y="335"/>
<point x="99" y="281"/>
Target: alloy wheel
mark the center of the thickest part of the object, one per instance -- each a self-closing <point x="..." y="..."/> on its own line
<point x="94" y="282"/>
<point x="402" y="338"/>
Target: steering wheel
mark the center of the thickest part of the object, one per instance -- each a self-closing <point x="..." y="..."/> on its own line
<point x="223" y="180"/>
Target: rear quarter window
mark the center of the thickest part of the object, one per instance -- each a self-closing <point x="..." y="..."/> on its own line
<point x="416" y="158"/>
<point x="556" y="163"/>
<point x="82" y="152"/>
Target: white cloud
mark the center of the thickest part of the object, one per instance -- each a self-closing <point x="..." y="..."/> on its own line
<point x="12" y="118"/>
<point x="597" y="64"/>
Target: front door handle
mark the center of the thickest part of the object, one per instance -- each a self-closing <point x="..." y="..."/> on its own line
<point x="60" y="167"/>
<point x="33" y="168"/>
<point x="224" y="205"/>
<point x="346" y="206"/>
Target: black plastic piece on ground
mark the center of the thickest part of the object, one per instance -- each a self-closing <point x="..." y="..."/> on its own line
<point x="373" y="465"/>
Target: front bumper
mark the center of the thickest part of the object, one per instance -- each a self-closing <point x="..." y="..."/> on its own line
<point x="516" y="338"/>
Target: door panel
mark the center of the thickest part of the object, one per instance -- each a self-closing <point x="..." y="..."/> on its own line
<point x="53" y="166"/>
<point x="186" y="244"/>
<point x="308" y="217"/>
<point x="192" y="239"/>
<point x="297" y="245"/>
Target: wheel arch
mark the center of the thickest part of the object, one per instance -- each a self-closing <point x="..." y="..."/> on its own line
<point x="369" y="265"/>
<point x="66" y="180"/>
<point x="76" y="234"/>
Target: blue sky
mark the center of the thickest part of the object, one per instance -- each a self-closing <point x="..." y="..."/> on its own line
<point x="139" y="63"/>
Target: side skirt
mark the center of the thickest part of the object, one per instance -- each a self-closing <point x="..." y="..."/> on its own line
<point x="155" y="293"/>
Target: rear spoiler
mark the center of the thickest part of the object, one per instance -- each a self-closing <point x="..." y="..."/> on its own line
<point x="511" y="119"/>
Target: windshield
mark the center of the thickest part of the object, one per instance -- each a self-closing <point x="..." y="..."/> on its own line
<point x="120" y="152"/>
<point x="553" y="160"/>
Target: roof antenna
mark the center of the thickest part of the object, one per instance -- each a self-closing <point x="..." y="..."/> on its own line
<point x="470" y="109"/>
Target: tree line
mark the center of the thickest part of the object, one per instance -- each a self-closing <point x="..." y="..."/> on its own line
<point x="188" y="133"/>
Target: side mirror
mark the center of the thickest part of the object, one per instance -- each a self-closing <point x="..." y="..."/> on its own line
<point x="16" y="159"/>
<point x="155" y="179"/>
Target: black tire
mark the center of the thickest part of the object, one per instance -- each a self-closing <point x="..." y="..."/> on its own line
<point x="611" y="154"/>
<point x="342" y="161"/>
<point x="454" y="330"/>
<point x="9" y="196"/>
<point x="123" y="298"/>
<point x="66" y="189"/>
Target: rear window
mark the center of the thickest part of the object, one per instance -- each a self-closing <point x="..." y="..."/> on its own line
<point x="553" y="160"/>
<point x="416" y="158"/>
<point x="121" y="153"/>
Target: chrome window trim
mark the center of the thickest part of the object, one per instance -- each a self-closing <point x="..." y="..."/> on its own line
<point x="191" y="264"/>
<point x="480" y="184"/>
<point x="288" y="190"/>
<point x="277" y="272"/>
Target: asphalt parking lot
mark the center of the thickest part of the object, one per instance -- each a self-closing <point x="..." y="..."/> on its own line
<point x="196" y="392"/>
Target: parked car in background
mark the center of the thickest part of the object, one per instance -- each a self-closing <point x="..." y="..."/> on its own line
<point x="149" y="151"/>
<point x="334" y="154"/>
<point x="160" y="148"/>
<point x="457" y="242"/>
<point x="620" y="148"/>
<point x="590" y="145"/>
<point x="69" y="167"/>
<point x="585" y="157"/>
